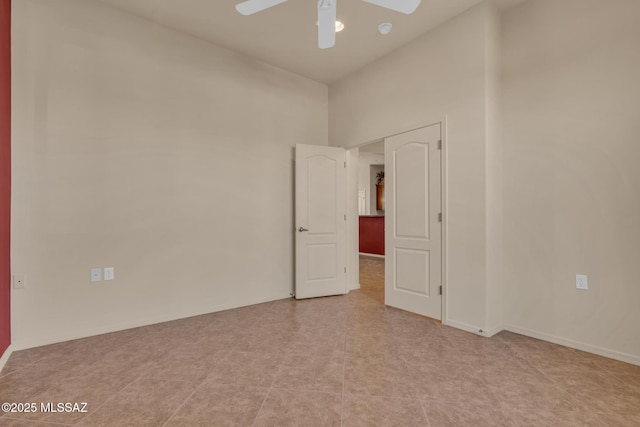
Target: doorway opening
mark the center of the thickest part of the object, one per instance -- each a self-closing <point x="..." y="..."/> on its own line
<point x="371" y="227"/>
<point x="410" y="212"/>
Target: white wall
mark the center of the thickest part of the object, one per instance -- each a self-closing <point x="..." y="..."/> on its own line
<point x="144" y="149"/>
<point x="494" y="173"/>
<point x="364" y="174"/>
<point x="443" y="73"/>
<point x="353" y="219"/>
<point x="572" y="182"/>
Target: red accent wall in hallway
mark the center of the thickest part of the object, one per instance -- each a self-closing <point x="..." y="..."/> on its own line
<point x="372" y="235"/>
<point x="5" y="173"/>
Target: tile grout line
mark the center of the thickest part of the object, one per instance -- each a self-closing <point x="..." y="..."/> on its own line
<point x="424" y="411"/>
<point x="565" y="391"/>
<point x="29" y="421"/>
<point x="108" y="400"/>
<point x="527" y="362"/>
<point x="344" y="377"/>
<point x="415" y="389"/>
<point x="184" y="402"/>
<point x="266" y="395"/>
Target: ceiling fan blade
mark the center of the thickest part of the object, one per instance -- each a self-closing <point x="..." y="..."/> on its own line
<point x="403" y="6"/>
<point x="250" y="7"/>
<point x="326" y="23"/>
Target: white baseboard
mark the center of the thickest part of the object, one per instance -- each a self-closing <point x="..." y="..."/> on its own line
<point x="465" y="327"/>
<point x="137" y="323"/>
<point x="354" y="286"/>
<point x="493" y="331"/>
<point x="612" y="354"/>
<point x="5" y="356"/>
<point x="476" y="330"/>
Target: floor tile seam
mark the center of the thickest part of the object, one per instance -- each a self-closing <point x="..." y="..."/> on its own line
<point x="266" y="395"/>
<point x="175" y="380"/>
<point x="600" y="415"/>
<point x="629" y="380"/>
<point x="602" y="421"/>
<point x="413" y="377"/>
<point x="559" y="387"/>
<point x="264" y="401"/>
<point x="344" y="368"/>
<point x="103" y="374"/>
<point x="449" y="401"/>
<point x="305" y="390"/>
<point x="504" y="411"/>
<point x="424" y="411"/>
<point x="413" y="396"/>
<point x="10" y="373"/>
<point x="183" y="403"/>
<point x="504" y="407"/>
<point x="44" y="364"/>
<point x="382" y="396"/>
<point x="382" y="356"/>
<point x="521" y="358"/>
<point x="53" y="423"/>
<point x="598" y="412"/>
<point x="40" y="390"/>
<point x="115" y="394"/>
<point x="634" y="376"/>
<point x="398" y="379"/>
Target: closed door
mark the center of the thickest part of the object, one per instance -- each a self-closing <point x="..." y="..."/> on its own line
<point x="413" y="228"/>
<point x="320" y="202"/>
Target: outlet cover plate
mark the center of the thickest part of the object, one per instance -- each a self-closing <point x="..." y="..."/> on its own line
<point x="19" y="281"/>
<point x="581" y="282"/>
<point x="96" y="274"/>
<point x="109" y="273"/>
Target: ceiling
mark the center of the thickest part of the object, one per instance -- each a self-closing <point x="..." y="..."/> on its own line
<point x="374" y="147"/>
<point x="286" y="35"/>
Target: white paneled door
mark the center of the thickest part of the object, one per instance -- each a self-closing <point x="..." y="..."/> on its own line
<point x="413" y="229"/>
<point x="320" y="221"/>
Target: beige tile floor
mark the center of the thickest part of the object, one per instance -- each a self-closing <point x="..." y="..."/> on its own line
<point x="338" y="361"/>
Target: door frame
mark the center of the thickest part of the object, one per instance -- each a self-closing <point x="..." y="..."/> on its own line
<point x="352" y="216"/>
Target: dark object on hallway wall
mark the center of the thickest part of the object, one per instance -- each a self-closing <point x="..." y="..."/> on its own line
<point x="380" y="197"/>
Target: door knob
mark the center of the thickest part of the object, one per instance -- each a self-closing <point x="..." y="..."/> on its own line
<point x="301" y="229"/>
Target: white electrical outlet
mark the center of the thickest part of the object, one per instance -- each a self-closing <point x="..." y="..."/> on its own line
<point x="581" y="282"/>
<point x="19" y="281"/>
<point x="96" y="274"/>
<point x="109" y="273"/>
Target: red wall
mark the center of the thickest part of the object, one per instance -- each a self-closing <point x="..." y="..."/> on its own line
<point x="372" y="235"/>
<point x="5" y="173"/>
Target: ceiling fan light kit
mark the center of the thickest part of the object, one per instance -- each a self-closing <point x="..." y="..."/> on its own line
<point x="339" y="26"/>
<point x="327" y="24"/>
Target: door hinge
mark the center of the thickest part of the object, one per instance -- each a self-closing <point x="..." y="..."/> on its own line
<point x="441" y="290"/>
<point x="345" y="217"/>
<point x="439" y="144"/>
<point x="345" y="270"/>
<point x="345" y="164"/>
<point x="440" y="217"/>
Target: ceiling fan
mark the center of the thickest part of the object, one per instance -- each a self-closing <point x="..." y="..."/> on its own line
<point x="327" y="14"/>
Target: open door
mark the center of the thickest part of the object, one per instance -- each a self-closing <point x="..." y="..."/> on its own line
<point x="320" y="221"/>
<point x="413" y="227"/>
